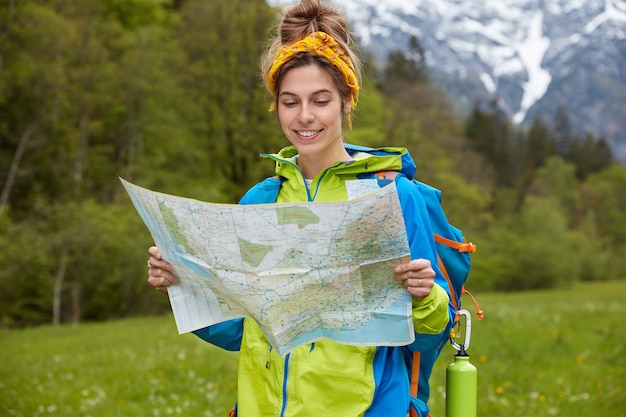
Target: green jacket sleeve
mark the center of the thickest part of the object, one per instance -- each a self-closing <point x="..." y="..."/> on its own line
<point x="430" y="314"/>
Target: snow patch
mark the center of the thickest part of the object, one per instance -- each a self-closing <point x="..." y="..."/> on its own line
<point x="532" y="52"/>
<point x="488" y="82"/>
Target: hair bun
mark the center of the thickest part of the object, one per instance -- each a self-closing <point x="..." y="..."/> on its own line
<point x="310" y="16"/>
<point x="306" y="9"/>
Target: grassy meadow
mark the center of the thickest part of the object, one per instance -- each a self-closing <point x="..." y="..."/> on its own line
<point x="552" y="353"/>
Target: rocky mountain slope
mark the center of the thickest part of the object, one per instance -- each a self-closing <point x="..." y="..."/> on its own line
<point x="533" y="55"/>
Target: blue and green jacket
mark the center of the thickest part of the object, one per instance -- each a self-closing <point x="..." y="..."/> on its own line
<point x="325" y="377"/>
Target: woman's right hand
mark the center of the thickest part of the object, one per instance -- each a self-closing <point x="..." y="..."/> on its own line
<point x="160" y="274"/>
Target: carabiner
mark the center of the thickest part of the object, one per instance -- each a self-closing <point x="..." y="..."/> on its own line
<point x="468" y="332"/>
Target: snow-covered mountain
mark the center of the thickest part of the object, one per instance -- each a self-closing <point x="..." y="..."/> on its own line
<point x="534" y="55"/>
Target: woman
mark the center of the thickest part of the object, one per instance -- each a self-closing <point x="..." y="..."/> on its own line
<point x="314" y="79"/>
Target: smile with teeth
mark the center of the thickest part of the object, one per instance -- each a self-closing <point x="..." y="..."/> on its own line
<point x="307" y="133"/>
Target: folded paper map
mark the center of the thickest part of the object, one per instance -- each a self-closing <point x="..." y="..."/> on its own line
<point x="303" y="271"/>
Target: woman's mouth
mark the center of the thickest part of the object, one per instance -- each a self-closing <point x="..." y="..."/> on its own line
<point x="307" y="134"/>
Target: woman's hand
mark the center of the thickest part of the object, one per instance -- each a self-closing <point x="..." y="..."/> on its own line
<point x="417" y="276"/>
<point x="160" y="274"/>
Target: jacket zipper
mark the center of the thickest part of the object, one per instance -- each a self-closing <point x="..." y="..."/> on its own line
<point x="269" y="356"/>
<point x="288" y="356"/>
<point x="285" y="380"/>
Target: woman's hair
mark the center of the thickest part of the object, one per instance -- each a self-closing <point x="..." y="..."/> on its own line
<point x="301" y="20"/>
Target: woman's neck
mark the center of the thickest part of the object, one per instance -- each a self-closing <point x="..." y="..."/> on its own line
<point x="311" y="165"/>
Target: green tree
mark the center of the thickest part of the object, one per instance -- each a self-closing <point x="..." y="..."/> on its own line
<point x="135" y="13"/>
<point x="529" y="249"/>
<point x="405" y="68"/>
<point x="26" y="298"/>
<point x="74" y="92"/>
<point x="590" y="155"/>
<point x="539" y="145"/>
<point x="6" y="16"/>
<point x="30" y="102"/>
<point x="106" y="245"/>
<point x="221" y="77"/>
<point x="603" y="198"/>
<point x="563" y="131"/>
<point x="557" y="180"/>
<point x="492" y="135"/>
<point x="605" y="194"/>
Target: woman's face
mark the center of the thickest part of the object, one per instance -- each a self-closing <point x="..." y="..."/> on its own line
<point x="310" y="114"/>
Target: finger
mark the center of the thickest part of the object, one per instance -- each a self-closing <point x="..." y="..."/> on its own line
<point x="424" y="274"/>
<point x="421" y="283"/>
<point x="158" y="277"/>
<point x="159" y="263"/>
<point x="159" y="283"/>
<point x="154" y="281"/>
<point x="161" y="289"/>
<point x="414" y="265"/>
<point x="155" y="252"/>
<point x="418" y="283"/>
<point x="418" y="293"/>
<point x="156" y="259"/>
<point x="418" y="288"/>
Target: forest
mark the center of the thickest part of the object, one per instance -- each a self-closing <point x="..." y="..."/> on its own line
<point x="167" y="94"/>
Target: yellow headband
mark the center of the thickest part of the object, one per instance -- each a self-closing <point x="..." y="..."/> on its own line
<point x="323" y="44"/>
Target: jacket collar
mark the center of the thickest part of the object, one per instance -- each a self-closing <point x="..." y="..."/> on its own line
<point x="366" y="160"/>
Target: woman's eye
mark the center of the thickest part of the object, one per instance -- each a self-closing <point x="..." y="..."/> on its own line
<point x="289" y="103"/>
<point x="321" y="102"/>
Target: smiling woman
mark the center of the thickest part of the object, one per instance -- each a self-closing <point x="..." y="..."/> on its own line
<point x="310" y="114"/>
<point x="314" y="77"/>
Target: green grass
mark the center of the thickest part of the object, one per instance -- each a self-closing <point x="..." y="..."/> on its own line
<point x="552" y="353"/>
<point x="134" y="367"/>
<point x="548" y="353"/>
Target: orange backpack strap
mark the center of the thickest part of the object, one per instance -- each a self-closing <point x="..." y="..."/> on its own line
<point x="415" y="378"/>
<point x="386" y="175"/>
<point x="461" y="247"/>
<point x="444" y="271"/>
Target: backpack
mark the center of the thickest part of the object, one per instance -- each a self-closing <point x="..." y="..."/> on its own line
<point x="453" y="255"/>
<point x="453" y="251"/>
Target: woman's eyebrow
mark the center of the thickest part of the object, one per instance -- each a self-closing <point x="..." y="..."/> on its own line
<point x="321" y="91"/>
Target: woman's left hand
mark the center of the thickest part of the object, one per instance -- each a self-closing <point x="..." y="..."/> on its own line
<point x="417" y="276"/>
<point x="160" y="274"/>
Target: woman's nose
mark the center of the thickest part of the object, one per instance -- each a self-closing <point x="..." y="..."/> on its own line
<point x="306" y="116"/>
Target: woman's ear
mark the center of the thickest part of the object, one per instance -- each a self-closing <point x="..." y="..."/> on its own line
<point x="347" y="108"/>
